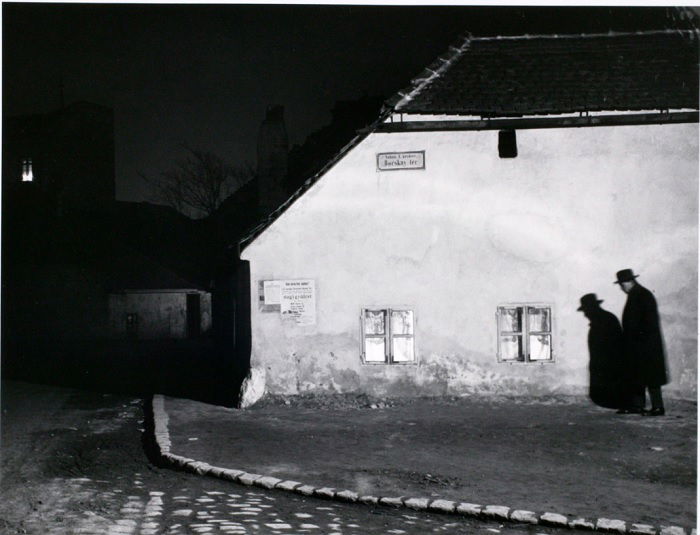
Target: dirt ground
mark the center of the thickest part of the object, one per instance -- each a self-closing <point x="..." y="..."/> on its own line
<point x="52" y="439"/>
<point x="558" y="454"/>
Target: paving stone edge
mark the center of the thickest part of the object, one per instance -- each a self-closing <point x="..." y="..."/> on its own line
<point x="487" y="512"/>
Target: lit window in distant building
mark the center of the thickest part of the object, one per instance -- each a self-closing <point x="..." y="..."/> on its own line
<point x="27" y="173"/>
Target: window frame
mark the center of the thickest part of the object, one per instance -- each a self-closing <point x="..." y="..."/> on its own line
<point x="388" y="336"/>
<point x="525" y="333"/>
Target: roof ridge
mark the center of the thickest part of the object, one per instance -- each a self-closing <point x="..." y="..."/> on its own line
<point x="430" y="73"/>
<point x="611" y="33"/>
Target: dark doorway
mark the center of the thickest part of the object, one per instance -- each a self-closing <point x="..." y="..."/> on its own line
<point x="193" y="316"/>
<point x="132" y="325"/>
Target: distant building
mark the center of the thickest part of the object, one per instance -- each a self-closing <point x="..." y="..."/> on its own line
<point x="67" y="155"/>
<point x="135" y="271"/>
<point x="160" y="314"/>
<point x="444" y="250"/>
<point x="148" y="301"/>
<point x="150" y="314"/>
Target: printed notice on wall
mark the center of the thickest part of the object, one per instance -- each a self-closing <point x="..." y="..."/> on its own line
<point x="271" y="292"/>
<point x="298" y="301"/>
<point x="396" y="161"/>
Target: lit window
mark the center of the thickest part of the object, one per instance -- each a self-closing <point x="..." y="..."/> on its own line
<point x="524" y="333"/>
<point x="27" y="173"/>
<point x="387" y="336"/>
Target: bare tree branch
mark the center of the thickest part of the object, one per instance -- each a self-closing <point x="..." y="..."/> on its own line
<point x="198" y="184"/>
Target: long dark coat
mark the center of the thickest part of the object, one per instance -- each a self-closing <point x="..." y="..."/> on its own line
<point x="606" y="364"/>
<point x="645" y="359"/>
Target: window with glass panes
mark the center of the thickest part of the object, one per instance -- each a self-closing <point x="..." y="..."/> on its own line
<point x="387" y="336"/>
<point x="524" y="333"/>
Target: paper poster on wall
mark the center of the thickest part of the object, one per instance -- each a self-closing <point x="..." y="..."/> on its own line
<point x="271" y="292"/>
<point x="298" y="301"/>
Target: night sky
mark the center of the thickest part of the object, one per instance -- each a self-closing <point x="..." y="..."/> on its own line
<point x="204" y="75"/>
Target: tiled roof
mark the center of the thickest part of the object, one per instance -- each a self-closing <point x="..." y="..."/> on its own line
<point x="537" y="75"/>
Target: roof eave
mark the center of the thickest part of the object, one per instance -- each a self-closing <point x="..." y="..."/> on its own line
<point x="523" y="123"/>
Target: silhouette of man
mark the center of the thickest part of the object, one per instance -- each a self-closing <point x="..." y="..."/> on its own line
<point x="605" y="348"/>
<point x="644" y="359"/>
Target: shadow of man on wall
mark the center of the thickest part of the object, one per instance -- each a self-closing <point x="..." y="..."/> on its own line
<point x="606" y="366"/>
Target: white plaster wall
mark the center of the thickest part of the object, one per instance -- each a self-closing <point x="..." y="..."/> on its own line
<point x="473" y="231"/>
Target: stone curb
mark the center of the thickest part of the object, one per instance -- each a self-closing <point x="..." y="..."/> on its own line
<point x="483" y="512"/>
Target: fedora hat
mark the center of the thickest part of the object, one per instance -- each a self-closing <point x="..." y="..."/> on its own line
<point x="589" y="301"/>
<point x="625" y="275"/>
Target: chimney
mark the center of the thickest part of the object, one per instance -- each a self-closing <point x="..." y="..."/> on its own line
<point x="273" y="152"/>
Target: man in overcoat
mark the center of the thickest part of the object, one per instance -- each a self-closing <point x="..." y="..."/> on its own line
<point x="606" y="387"/>
<point x="644" y="356"/>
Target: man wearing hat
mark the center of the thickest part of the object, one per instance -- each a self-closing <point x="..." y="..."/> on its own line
<point x="643" y="345"/>
<point x="606" y="387"/>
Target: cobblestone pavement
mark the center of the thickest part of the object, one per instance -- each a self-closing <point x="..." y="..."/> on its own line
<point x="235" y="510"/>
<point x="74" y="463"/>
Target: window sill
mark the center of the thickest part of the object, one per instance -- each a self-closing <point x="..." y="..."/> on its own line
<point x="527" y="362"/>
<point x="392" y="364"/>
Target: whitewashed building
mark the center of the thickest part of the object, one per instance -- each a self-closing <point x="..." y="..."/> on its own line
<point x="445" y="249"/>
